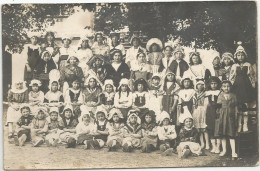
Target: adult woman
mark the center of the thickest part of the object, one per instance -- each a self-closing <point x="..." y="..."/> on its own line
<point x="51" y="46"/>
<point x="115" y="43"/>
<point x="134" y="50"/>
<point x="119" y="68"/>
<point x="100" y="68"/>
<point x="84" y="53"/>
<point x="65" y="51"/>
<point x="99" y="47"/>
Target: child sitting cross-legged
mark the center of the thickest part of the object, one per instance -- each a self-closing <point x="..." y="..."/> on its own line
<point x="115" y="129"/>
<point x="149" y="133"/>
<point x="68" y="124"/>
<point x="132" y="132"/>
<point x="101" y="126"/>
<point x="188" y="137"/>
<point x="39" y="127"/>
<point x="85" y="132"/>
<point x="22" y="132"/>
<point x="52" y="138"/>
<point x="166" y="134"/>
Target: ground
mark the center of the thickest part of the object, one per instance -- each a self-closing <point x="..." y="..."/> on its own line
<point x="28" y="157"/>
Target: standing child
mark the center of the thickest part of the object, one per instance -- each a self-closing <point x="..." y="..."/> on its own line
<point x="149" y="133"/>
<point x="65" y="51"/>
<point x="140" y="97"/>
<point x="242" y="76"/>
<point x="17" y="95"/>
<point x="227" y="119"/>
<point x="39" y="127"/>
<point x="199" y="113"/>
<point x="52" y="138"/>
<point x="166" y="134"/>
<point x="115" y="129"/>
<point x="36" y="97"/>
<point x="166" y="60"/>
<point x="107" y="97"/>
<point x="155" y="95"/>
<point x="132" y="132"/>
<point x="196" y="68"/>
<point x="32" y="54"/>
<point x="226" y="63"/>
<point x="185" y="97"/>
<point x="84" y="52"/>
<point x="23" y="126"/>
<point x="68" y="124"/>
<point x="154" y="46"/>
<point x="218" y="69"/>
<point x="123" y="98"/>
<point x="211" y="102"/>
<point x="179" y="66"/>
<point x="169" y="100"/>
<point x="188" y="138"/>
<point x="45" y="65"/>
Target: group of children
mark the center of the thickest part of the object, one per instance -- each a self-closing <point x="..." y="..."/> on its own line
<point x="147" y="102"/>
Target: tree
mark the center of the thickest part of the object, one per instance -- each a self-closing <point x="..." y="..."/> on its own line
<point x="110" y="17"/>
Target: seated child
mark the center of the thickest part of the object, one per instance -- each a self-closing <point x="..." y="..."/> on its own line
<point x="68" y="124"/>
<point x="39" y="127"/>
<point x="166" y="134"/>
<point x="36" y="97"/>
<point x="107" y="97"/>
<point x="132" y="132"/>
<point x="188" y="137"/>
<point x="54" y="98"/>
<point x="140" y="97"/>
<point x="52" y="138"/>
<point x="149" y="133"/>
<point x="115" y="129"/>
<point x="85" y="132"/>
<point x="23" y="128"/>
<point x="101" y="126"/>
<point x="17" y="95"/>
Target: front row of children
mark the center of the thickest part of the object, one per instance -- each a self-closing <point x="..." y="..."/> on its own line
<point x="109" y="129"/>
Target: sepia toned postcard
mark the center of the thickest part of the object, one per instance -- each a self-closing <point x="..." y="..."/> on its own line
<point x="129" y="85"/>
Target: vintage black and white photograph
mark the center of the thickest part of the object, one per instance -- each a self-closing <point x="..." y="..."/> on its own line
<point x="130" y="85"/>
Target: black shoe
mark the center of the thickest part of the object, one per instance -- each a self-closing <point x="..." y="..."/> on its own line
<point x="71" y="143"/>
<point x="96" y="144"/>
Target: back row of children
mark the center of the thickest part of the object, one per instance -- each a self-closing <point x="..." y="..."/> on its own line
<point x="172" y="93"/>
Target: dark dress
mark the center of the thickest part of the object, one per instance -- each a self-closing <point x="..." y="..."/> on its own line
<point x="182" y="64"/>
<point x="226" y="116"/>
<point x="243" y="83"/>
<point x="33" y="60"/>
<point x="26" y="121"/>
<point x="123" y="71"/>
<point x="101" y="128"/>
<point x="211" y="111"/>
<point x="42" y="73"/>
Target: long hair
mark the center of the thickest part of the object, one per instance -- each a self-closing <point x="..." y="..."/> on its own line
<point x="213" y="79"/>
<point x="119" y="91"/>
